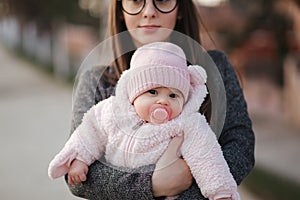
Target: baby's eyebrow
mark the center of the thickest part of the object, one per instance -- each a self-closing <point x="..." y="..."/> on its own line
<point x="175" y="92"/>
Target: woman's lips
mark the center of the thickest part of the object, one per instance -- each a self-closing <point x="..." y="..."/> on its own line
<point x="149" y="28"/>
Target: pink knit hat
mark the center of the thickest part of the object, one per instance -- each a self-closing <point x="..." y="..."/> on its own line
<point x="159" y="64"/>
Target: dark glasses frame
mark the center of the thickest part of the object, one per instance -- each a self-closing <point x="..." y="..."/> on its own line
<point x="136" y="13"/>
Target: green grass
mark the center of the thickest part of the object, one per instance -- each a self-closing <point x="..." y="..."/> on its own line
<point x="270" y="186"/>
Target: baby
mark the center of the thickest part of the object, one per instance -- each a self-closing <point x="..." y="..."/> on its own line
<point x="156" y="99"/>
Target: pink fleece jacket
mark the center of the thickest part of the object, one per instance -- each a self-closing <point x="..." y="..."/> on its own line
<point x="112" y="129"/>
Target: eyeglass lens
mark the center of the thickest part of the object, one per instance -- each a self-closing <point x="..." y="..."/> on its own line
<point x="134" y="7"/>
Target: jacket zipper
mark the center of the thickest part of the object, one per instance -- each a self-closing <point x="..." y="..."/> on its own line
<point x="129" y="145"/>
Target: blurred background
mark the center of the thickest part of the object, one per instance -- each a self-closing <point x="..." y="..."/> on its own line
<point x="42" y="45"/>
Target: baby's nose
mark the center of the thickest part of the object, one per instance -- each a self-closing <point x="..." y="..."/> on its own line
<point x="163" y="100"/>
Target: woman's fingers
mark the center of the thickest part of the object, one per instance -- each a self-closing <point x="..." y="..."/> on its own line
<point x="171" y="154"/>
<point x="171" y="180"/>
<point x="175" y="145"/>
<point x="172" y="175"/>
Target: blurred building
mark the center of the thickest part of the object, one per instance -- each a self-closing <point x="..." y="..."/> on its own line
<point x="265" y="53"/>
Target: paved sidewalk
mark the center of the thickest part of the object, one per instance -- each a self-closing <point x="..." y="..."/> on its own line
<point x="35" y="113"/>
<point x="35" y="118"/>
<point x="277" y="143"/>
<point x="277" y="147"/>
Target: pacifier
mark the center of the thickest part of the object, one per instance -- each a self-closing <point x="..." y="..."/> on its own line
<point x="159" y="115"/>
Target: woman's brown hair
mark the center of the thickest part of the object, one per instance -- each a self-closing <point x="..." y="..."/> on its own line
<point x="188" y="23"/>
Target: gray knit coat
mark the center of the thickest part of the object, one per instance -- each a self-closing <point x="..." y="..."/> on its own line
<point x="236" y="139"/>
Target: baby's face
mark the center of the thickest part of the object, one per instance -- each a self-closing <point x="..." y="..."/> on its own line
<point x="168" y="99"/>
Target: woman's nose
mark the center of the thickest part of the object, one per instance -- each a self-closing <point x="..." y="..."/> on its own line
<point x="149" y="9"/>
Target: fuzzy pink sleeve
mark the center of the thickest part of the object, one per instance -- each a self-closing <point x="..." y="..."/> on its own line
<point x="204" y="156"/>
<point x="87" y="144"/>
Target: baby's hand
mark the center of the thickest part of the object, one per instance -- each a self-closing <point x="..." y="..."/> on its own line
<point x="77" y="173"/>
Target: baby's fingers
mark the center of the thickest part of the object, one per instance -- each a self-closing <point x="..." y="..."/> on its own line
<point x="70" y="180"/>
<point x="76" y="179"/>
<point x="82" y="177"/>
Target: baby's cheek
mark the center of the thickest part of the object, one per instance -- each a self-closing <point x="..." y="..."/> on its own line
<point x="176" y="112"/>
<point x="142" y="112"/>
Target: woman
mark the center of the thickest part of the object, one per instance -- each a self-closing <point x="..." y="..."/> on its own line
<point x="148" y="21"/>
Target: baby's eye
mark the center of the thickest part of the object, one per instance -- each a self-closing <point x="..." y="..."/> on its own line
<point x="152" y="91"/>
<point x="173" y="95"/>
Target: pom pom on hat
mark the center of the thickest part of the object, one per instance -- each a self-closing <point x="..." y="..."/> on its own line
<point x="159" y="64"/>
<point x="198" y="75"/>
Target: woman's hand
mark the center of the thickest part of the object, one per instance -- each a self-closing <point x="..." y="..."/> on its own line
<point x="172" y="175"/>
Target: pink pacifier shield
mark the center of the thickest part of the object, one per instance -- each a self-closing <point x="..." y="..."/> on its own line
<point x="159" y="116"/>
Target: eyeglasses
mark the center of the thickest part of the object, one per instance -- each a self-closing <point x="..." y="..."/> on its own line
<point x="134" y="7"/>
